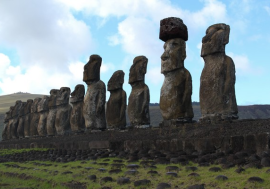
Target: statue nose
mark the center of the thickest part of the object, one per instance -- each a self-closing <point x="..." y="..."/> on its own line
<point x="164" y="56"/>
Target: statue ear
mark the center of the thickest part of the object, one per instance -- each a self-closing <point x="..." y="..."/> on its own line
<point x="226" y="34"/>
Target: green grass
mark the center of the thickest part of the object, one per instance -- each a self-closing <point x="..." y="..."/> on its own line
<point x="36" y="174"/>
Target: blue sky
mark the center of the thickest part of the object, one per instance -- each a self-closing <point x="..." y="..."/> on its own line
<point x="45" y="44"/>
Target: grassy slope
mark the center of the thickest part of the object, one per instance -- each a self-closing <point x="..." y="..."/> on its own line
<point x="37" y="174"/>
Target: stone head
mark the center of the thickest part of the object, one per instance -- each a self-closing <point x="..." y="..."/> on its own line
<point x="217" y="36"/>
<point x="7" y="117"/>
<point x="92" y="69"/>
<point x="63" y="96"/>
<point x="138" y="69"/>
<point x="174" y="55"/>
<point x="52" y="98"/>
<point x="43" y="104"/>
<point x="27" y="107"/>
<point x="17" y="107"/>
<point x="34" y="106"/>
<point x="116" y="81"/>
<point x="21" y="112"/>
<point x="78" y="94"/>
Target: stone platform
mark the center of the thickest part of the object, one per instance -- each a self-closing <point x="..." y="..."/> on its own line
<point x="249" y="135"/>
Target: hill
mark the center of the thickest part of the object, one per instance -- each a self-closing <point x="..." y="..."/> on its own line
<point x="245" y="112"/>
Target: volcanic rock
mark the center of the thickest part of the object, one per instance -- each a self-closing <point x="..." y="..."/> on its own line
<point x="20" y="129"/>
<point x="34" y="118"/>
<point x="171" y="28"/>
<point x="43" y="110"/>
<point x="50" y="125"/>
<point x="77" y="122"/>
<point x="62" y="119"/>
<point x="94" y="101"/>
<point x="28" y="117"/>
<point x="116" y="106"/>
<point x="139" y="99"/>
<point x="217" y="92"/>
<point x="176" y="91"/>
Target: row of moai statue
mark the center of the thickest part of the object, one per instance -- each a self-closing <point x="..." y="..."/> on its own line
<point x="53" y="115"/>
<point x="60" y="114"/>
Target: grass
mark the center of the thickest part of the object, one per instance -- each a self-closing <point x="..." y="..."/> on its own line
<point x="37" y="174"/>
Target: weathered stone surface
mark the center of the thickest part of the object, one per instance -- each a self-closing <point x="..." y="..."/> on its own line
<point x="116" y="106"/>
<point x="5" y="130"/>
<point x="171" y="28"/>
<point x="176" y="91"/>
<point x="34" y="118"/>
<point x="77" y="122"/>
<point x="15" y="118"/>
<point x="217" y="92"/>
<point x="20" y="129"/>
<point x="50" y="125"/>
<point x="139" y="99"/>
<point x="43" y="110"/>
<point x="94" y="101"/>
<point x="62" y="120"/>
<point x="27" y="118"/>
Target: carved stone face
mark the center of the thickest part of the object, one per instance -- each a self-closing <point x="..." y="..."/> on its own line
<point x="52" y="98"/>
<point x="63" y="96"/>
<point x="92" y="69"/>
<point x="116" y="81"/>
<point x="35" y="105"/>
<point x="174" y="55"/>
<point x="22" y="113"/>
<point x="17" y="108"/>
<point x="138" y="69"/>
<point x="217" y="36"/>
<point x="78" y="94"/>
<point x="43" y="104"/>
<point x="27" y="108"/>
<point x="7" y="117"/>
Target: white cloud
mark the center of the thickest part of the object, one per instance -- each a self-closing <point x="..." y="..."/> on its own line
<point x="4" y="63"/>
<point x="105" y="67"/>
<point x="77" y="70"/>
<point x="154" y="76"/>
<point x="44" y="33"/>
<point x="243" y="65"/>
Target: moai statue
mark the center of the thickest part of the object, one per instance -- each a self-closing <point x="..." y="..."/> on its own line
<point x="43" y="110"/>
<point x="139" y="98"/>
<point x="27" y="117"/>
<point x="15" y="118"/>
<point x="50" y="125"/>
<point x="116" y="106"/>
<point x="176" y="91"/>
<point x="217" y="93"/>
<point x="5" y="130"/>
<point x="34" y="118"/>
<point x="20" y="129"/>
<point x="10" y="122"/>
<point x="94" y="100"/>
<point x="77" y="123"/>
<point x="62" y="120"/>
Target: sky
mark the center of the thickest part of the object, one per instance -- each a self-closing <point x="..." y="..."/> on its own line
<point x="45" y="44"/>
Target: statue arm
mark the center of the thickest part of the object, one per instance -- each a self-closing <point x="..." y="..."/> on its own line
<point x="230" y="75"/>
<point x="146" y="100"/>
<point x="188" y="88"/>
<point x="101" y="96"/>
<point x="123" y="104"/>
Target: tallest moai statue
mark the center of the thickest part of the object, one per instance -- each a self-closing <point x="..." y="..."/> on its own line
<point x="176" y="91"/>
<point x="217" y="93"/>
